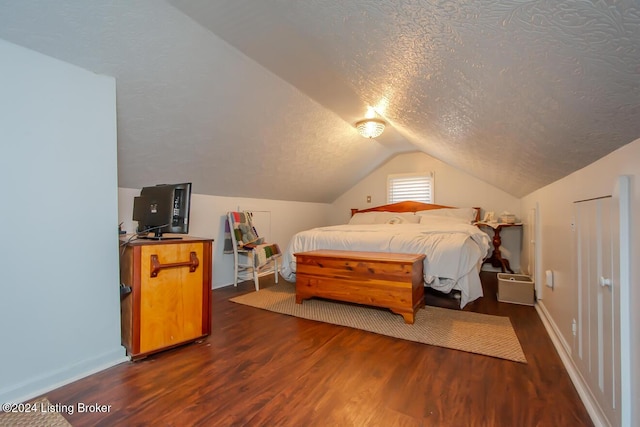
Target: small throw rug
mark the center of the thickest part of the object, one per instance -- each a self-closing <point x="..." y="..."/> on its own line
<point x="460" y="330"/>
<point x="38" y="413"/>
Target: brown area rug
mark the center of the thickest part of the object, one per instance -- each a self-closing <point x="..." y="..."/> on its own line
<point x="460" y="330"/>
<point x="37" y="413"/>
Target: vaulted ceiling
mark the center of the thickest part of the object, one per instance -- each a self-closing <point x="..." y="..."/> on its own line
<point x="258" y="98"/>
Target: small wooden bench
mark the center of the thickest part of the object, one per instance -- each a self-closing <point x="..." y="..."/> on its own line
<point x="381" y="279"/>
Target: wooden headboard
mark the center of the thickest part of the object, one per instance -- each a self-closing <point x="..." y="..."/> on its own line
<point x="409" y="206"/>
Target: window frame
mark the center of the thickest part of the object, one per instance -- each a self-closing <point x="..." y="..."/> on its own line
<point x="427" y="177"/>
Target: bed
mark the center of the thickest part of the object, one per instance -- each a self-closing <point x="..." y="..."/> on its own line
<point x="454" y="248"/>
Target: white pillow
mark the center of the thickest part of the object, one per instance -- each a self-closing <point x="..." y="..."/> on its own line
<point x="383" y="218"/>
<point x="466" y="215"/>
<point x="397" y="218"/>
<point x="363" y="218"/>
<point x="435" y="219"/>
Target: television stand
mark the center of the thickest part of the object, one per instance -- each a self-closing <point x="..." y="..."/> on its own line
<point x="170" y="299"/>
<point x="160" y="238"/>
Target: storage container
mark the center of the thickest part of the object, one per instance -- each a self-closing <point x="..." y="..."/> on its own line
<point x="508" y="218"/>
<point x="516" y="289"/>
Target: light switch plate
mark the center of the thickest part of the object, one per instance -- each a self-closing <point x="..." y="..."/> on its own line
<point x="549" y="278"/>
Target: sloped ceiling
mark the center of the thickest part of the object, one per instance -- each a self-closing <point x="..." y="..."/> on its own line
<point x="258" y="98"/>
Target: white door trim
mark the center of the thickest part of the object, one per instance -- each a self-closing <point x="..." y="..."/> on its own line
<point x="623" y="192"/>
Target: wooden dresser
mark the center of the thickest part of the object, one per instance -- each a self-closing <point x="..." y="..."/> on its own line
<point x="170" y="299"/>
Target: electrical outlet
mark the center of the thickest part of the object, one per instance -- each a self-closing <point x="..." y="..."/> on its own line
<point x="574" y="327"/>
<point x="368" y="199"/>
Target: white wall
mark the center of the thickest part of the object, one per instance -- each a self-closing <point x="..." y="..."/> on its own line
<point x="556" y="210"/>
<point x="452" y="187"/>
<point x="207" y="220"/>
<point x="60" y="307"/>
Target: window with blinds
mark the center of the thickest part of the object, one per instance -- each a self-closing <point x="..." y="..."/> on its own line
<point x="417" y="187"/>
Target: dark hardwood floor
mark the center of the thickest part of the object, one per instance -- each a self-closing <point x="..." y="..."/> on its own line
<point x="265" y="369"/>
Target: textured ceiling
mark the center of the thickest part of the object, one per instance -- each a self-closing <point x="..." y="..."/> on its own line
<point x="258" y="98"/>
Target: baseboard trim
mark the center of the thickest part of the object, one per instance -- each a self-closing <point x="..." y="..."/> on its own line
<point x="35" y="387"/>
<point x="564" y="351"/>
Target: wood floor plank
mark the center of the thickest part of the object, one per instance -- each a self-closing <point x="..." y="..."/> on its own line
<point x="259" y="368"/>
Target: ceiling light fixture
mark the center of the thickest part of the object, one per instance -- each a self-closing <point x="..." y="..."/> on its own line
<point x="370" y="128"/>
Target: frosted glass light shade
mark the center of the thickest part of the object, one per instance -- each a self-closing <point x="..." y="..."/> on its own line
<point x="370" y="128"/>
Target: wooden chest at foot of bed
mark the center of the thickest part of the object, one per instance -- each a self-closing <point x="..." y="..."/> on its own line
<point x="381" y="279"/>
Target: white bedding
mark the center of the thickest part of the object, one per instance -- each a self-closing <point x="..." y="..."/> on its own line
<point x="454" y="251"/>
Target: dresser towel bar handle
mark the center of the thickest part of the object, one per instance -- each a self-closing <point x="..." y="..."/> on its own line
<point x="156" y="266"/>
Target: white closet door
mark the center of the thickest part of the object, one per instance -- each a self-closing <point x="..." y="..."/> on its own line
<point x="598" y="345"/>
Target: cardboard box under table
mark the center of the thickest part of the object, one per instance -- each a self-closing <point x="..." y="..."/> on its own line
<point x="515" y="288"/>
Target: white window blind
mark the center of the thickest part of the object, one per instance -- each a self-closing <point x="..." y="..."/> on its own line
<point x="417" y="187"/>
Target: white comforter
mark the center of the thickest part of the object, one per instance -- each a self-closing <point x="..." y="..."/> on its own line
<point x="453" y="250"/>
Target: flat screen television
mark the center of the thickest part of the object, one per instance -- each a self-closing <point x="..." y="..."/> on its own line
<point x="163" y="208"/>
